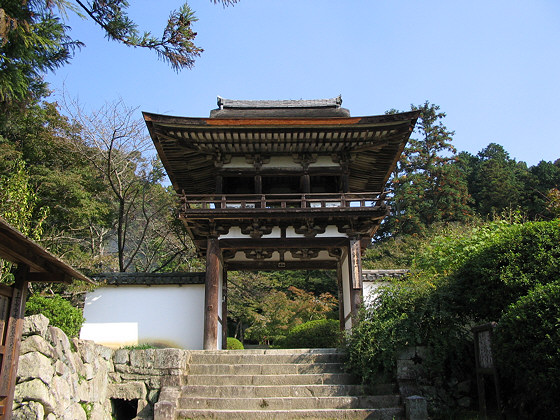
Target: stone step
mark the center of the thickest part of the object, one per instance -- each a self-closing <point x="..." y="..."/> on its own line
<point x="289" y="403"/>
<point x="339" y="414"/>
<point x="266" y="369"/>
<point x="258" y="380"/>
<point x="250" y="391"/>
<point x="237" y="358"/>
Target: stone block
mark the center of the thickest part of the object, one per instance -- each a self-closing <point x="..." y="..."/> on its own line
<point x="416" y="408"/>
<point x="86" y="349"/>
<point x="62" y="394"/>
<point x="164" y="410"/>
<point x="31" y="410"/>
<point x="121" y="357"/>
<point x="38" y="344"/>
<point x="127" y="391"/>
<point x="143" y="359"/>
<point x="61" y="345"/>
<point x="170" y="359"/>
<point x="105" y="352"/>
<point x="35" y="365"/>
<point x="35" y="390"/>
<point x="74" y="412"/>
<point x="35" y="325"/>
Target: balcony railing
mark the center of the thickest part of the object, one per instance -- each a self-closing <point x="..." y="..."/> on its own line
<point x="281" y="201"/>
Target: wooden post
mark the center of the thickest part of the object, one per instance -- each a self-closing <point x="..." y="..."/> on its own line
<point x="211" y="294"/>
<point x="8" y="371"/>
<point x="340" y="297"/>
<point x="356" y="283"/>
<point x="224" y="310"/>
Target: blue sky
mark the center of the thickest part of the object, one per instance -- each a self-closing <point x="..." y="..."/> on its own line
<point x="492" y="66"/>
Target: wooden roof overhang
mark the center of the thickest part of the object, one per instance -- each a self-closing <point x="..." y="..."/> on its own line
<point x="189" y="147"/>
<point x="43" y="266"/>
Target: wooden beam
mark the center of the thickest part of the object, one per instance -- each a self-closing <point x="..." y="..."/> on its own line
<point x="281" y="265"/>
<point x="40" y="277"/>
<point x="211" y="294"/>
<point x="275" y="243"/>
<point x="8" y="370"/>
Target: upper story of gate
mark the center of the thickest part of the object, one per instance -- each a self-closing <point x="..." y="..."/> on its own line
<point x="280" y="159"/>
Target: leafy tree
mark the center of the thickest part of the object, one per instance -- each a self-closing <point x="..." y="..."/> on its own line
<point x="427" y="186"/>
<point x="543" y="181"/>
<point x="18" y="206"/>
<point x="34" y="40"/>
<point x="114" y="143"/>
<point x="496" y="181"/>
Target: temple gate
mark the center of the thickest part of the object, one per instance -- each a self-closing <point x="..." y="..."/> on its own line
<point x="280" y="185"/>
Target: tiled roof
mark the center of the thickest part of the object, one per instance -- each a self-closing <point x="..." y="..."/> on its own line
<point x="150" y="279"/>
<point x="302" y="103"/>
<point x="379" y="275"/>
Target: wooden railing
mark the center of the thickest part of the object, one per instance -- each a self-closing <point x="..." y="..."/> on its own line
<point x="281" y="201"/>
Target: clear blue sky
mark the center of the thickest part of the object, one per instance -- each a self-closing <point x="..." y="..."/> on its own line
<point x="492" y="66"/>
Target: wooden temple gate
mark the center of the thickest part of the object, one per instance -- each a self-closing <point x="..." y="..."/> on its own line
<point x="33" y="264"/>
<point x="280" y="185"/>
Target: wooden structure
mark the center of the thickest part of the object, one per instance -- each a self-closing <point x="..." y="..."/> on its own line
<point x="270" y="185"/>
<point x="34" y="264"/>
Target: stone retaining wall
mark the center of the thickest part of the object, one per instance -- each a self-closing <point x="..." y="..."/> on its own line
<point x="76" y="379"/>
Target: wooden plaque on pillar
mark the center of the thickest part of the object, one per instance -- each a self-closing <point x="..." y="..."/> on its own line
<point x="355" y="263"/>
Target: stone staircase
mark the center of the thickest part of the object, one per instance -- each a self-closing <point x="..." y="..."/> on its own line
<point x="274" y="384"/>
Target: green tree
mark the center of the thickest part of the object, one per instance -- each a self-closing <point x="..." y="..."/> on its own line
<point x="18" y="206"/>
<point x="428" y="186"/>
<point x="496" y="181"/>
<point x="33" y="39"/>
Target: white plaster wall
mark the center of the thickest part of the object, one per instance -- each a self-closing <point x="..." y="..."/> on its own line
<point x="168" y="315"/>
<point x="371" y="290"/>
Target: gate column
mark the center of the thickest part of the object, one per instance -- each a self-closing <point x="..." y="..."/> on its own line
<point x="211" y="295"/>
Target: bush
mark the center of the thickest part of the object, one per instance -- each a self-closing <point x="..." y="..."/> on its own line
<point x="321" y="333"/>
<point x="505" y="266"/>
<point x="414" y="312"/>
<point x="59" y="311"/>
<point x="527" y="349"/>
<point x="234" y="344"/>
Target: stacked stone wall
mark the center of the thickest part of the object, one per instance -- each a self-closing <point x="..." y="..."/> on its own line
<point x="72" y="379"/>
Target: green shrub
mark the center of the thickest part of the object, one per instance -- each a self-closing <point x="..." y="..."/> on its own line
<point x="505" y="266"/>
<point x="527" y="349"/>
<point x="234" y="344"/>
<point x="59" y="311"/>
<point x="414" y="312"/>
<point x="320" y="333"/>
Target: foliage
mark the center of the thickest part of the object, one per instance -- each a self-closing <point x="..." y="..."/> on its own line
<point x="18" y="206"/>
<point x="58" y="310"/>
<point x="505" y="266"/>
<point x="427" y="186"/>
<point x="461" y="278"/>
<point x="33" y="39"/>
<point x="234" y="344"/>
<point x="279" y="311"/>
<point x="320" y="333"/>
<point x="410" y="313"/>
<point x="527" y="349"/>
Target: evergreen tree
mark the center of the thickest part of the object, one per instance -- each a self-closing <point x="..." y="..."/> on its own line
<point x="428" y="185"/>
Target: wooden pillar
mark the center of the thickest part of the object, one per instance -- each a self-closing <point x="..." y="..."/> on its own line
<point x="340" y="297"/>
<point x="224" y="310"/>
<point x="258" y="184"/>
<point x="211" y="295"/>
<point x="14" y="328"/>
<point x="306" y="183"/>
<point x="356" y="283"/>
